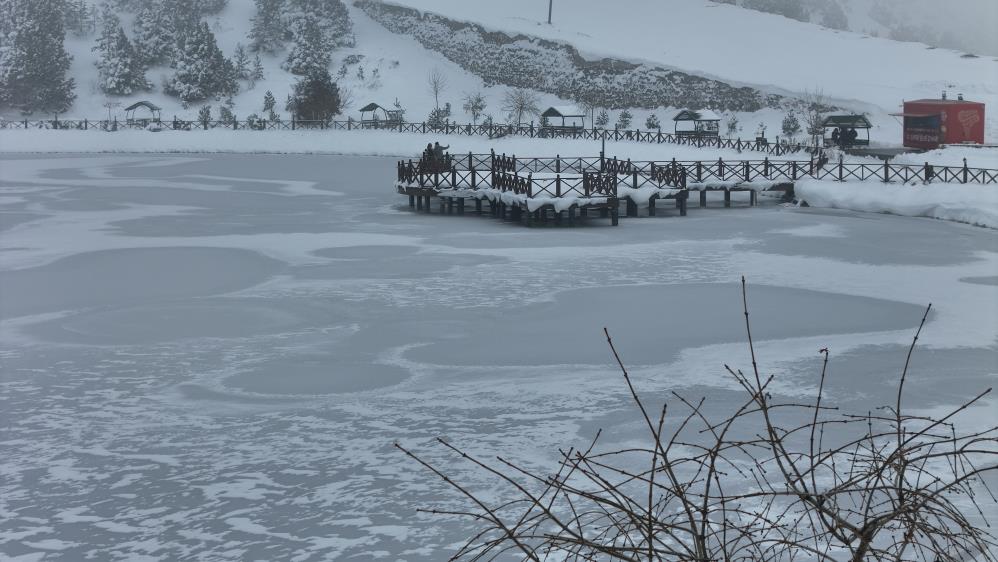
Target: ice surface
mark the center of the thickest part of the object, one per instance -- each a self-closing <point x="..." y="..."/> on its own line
<point x="210" y="358"/>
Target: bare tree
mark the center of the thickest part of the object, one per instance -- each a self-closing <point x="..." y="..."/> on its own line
<point x="815" y="106"/>
<point x="771" y="480"/>
<point x="474" y="105"/>
<point x="437" y="82"/>
<point x="518" y="102"/>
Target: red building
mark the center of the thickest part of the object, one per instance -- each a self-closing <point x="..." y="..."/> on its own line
<point x="930" y="123"/>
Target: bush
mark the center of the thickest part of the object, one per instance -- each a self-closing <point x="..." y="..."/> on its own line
<point x="763" y="482"/>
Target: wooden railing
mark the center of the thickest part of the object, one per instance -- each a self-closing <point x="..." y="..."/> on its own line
<point x="488" y="130"/>
<point x="586" y="176"/>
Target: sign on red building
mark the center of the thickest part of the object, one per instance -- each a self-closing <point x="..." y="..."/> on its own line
<point x="929" y="123"/>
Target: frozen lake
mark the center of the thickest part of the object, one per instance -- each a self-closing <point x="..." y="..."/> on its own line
<point x="211" y="357"/>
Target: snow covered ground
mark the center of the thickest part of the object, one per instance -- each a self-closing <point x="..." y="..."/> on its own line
<point x="209" y="357"/>
<point x="739" y="46"/>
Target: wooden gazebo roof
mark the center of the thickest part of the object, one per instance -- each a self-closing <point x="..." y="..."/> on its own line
<point x="563" y="111"/>
<point x="371" y="107"/>
<point x="146" y="104"/>
<point x="853" y="121"/>
<point x="700" y="115"/>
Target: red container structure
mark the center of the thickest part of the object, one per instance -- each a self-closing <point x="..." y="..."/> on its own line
<point x="930" y="123"/>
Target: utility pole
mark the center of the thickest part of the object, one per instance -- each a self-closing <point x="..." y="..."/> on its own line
<point x="550" y="7"/>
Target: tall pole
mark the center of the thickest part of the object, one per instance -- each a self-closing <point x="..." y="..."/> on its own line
<point x="550" y="7"/>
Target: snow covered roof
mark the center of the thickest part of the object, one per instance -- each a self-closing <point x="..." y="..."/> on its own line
<point x="698" y="115"/>
<point x="563" y="111"/>
<point x="146" y="104"/>
<point x="854" y="121"/>
<point x="371" y="107"/>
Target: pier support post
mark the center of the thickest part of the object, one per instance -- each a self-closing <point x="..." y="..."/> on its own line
<point x="632" y="208"/>
<point x="478" y="206"/>
<point x="615" y="215"/>
<point x="651" y="206"/>
<point x="426" y="203"/>
<point x="502" y="211"/>
<point x="558" y="215"/>
<point x="443" y="206"/>
<point x="683" y="198"/>
<point x="753" y="198"/>
<point x="450" y="205"/>
<point x="530" y="218"/>
<point x="727" y="198"/>
<point x="460" y="206"/>
<point x="419" y="202"/>
<point x="703" y="198"/>
<point x="584" y="212"/>
<point x="571" y="216"/>
<point x="412" y="201"/>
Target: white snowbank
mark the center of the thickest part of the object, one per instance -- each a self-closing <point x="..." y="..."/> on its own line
<point x="977" y="157"/>
<point x="971" y="204"/>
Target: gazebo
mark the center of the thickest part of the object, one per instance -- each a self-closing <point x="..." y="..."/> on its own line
<point x="374" y="113"/>
<point x="845" y="123"/>
<point x="571" y="117"/>
<point x="702" y="123"/>
<point x="152" y="112"/>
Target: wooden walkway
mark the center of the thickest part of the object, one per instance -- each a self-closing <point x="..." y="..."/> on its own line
<point x="528" y="190"/>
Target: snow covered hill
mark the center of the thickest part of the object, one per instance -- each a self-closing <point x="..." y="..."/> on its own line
<point x="723" y="47"/>
<point x="743" y="47"/>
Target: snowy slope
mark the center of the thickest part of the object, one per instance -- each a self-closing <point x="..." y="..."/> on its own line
<point x="745" y="47"/>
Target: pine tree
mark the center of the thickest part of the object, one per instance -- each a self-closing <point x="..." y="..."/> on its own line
<point x="241" y="62"/>
<point x="154" y="35"/>
<point x="33" y="58"/>
<point x="257" y="73"/>
<point x="652" y="122"/>
<point x="267" y="34"/>
<point x="202" y="71"/>
<point x="316" y="97"/>
<point x="120" y="71"/>
<point x="204" y="114"/>
<point x="791" y="126"/>
<point x="269" y="102"/>
<point x="603" y="119"/>
<point x="624" y="119"/>
<point x="309" y="53"/>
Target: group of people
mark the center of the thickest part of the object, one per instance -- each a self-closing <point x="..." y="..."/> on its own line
<point x="435" y="159"/>
<point x="844" y="137"/>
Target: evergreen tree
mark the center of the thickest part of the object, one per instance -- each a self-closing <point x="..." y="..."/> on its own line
<point x="257" y="73"/>
<point x="624" y="119"/>
<point x="603" y="119"/>
<point x="791" y="126"/>
<point x="33" y="58"/>
<point x="267" y="34"/>
<point x="225" y="114"/>
<point x="309" y="54"/>
<point x="269" y="102"/>
<point x="331" y="16"/>
<point x="77" y="18"/>
<point x="202" y="71"/>
<point x="154" y="34"/>
<point x="204" y="114"/>
<point x="120" y="71"/>
<point x="652" y="122"/>
<point x="316" y="97"/>
<point x="241" y="62"/>
<point x="439" y="116"/>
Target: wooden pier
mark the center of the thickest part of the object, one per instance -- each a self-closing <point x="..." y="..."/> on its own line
<point x="567" y="189"/>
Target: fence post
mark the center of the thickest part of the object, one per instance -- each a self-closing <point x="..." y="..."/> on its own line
<point x="765" y="166"/>
<point x="793" y="170"/>
<point x="887" y="171"/>
<point x="557" y="163"/>
<point x="720" y="168"/>
<point x="699" y="171"/>
<point x="841" y="177"/>
<point x="557" y="185"/>
<point x="966" y="172"/>
<point x="747" y="171"/>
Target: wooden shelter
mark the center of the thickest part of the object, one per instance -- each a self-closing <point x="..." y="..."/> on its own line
<point x="565" y="116"/>
<point x="845" y="123"/>
<point x="133" y="115"/>
<point x="702" y="123"/>
<point x="374" y="113"/>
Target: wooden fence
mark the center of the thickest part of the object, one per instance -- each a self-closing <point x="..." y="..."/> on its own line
<point x="591" y="176"/>
<point x="487" y="130"/>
